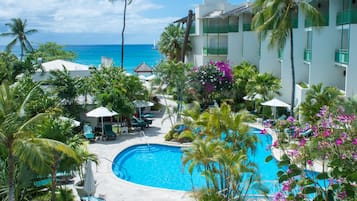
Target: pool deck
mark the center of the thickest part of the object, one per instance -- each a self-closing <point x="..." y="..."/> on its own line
<point x="111" y="187"/>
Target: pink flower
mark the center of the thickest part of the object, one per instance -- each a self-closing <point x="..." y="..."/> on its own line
<point x="309" y="162"/>
<point x="279" y="196"/>
<point x="339" y="142"/>
<point x="331" y="181"/>
<point x="286" y="186"/>
<point x="327" y="133"/>
<point x="302" y="142"/>
<point x="264" y="131"/>
<point x="342" y="195"/>
<point x="343" y="156"/>
<point x="354" y="141"/>
<point x="275" y="143"/>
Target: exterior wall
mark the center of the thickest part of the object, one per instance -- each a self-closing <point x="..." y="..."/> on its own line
<point x="250" y="47"/>
<point x="324" y="41"/>
<point x="269" y="61"/>
<point x="351" y="71"/>
<point x="235" y="49"/>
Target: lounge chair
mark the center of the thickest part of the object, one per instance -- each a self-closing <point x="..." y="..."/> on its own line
<point x="109" y="133"/>
<point x="88" y="133"/>
<point x="307" y="133"/>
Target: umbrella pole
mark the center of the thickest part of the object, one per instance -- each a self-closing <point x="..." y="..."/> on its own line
<point x="102" y="129"/>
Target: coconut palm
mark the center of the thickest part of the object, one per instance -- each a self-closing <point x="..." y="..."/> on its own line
<point x="18" y="139"/>
<point x="274" y="18"/>
<point x="126" y="3"/>
<point x="264" y="84"/>
<point x="18" y="29"/>
<point x="221" y="150"/>
<point x="171" y="42"/>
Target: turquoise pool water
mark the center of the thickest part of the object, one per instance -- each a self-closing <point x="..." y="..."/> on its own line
<point x="161" y="166"/>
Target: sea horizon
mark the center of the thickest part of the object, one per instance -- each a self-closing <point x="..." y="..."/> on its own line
<point x="91" y="54"/>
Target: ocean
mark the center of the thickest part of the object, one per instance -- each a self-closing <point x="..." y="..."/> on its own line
<point x="91" y="55"/>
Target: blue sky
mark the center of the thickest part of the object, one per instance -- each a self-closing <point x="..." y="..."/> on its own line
<point x="94" y="21"/>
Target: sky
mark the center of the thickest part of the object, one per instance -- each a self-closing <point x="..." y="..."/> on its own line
<point x="71" y="22"/>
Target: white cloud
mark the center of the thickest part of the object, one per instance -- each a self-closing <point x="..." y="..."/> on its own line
<point x="86" y="16"/>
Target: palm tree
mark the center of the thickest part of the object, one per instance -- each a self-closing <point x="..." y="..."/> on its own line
<point x="126" y="3"/>
<point x="18" y="29"/>
<point x="171" y="42"/>
<point x="17" y="136"/>
<point x="276" y="17"/>
<point x="221" y="150"/>
<point x="264" y="84"/>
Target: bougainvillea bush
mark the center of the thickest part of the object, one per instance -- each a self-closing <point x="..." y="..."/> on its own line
<point x="332" y="147"/>
<point x="211" y="81"/>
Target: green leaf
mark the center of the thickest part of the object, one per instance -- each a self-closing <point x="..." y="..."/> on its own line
<point x="309" y="190"/>
<point x="322" y="176"/>
<point x="268" y="159"/>
<point x="279" y="173"/>
<point x="283" y="178"/>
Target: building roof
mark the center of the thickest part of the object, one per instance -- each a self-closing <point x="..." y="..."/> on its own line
<point x="59" y="64"/>
<point x="143" y="68"/>
<point x="240" y="9"/>
<point x="213" y="14"/>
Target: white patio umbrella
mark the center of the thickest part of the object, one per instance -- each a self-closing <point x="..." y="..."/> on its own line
<point x="74" y="123"/>
<point x="142" y="103"/>
<point x="101" y="112"/>
<point x="89" y="182"/>
<point x="274" y="103"/>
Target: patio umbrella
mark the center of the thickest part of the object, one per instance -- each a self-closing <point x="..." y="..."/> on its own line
<point x="74" y="123"/>
<point x="142" y="103"/>
<point x="274" y="103"/>
<point x="252" y="98"/>
<point x="101" y="112"/>
<point x="89" y="182"/>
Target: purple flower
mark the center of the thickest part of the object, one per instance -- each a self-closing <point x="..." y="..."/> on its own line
<point x="354" y="156"/>
<point x="343" y="136"/>
<point x="343" y="156"/>
<point x="264" y="131"/>
<point x="354" y="141"/>
<point x="291" y="119"/>
<point x="339" y="142"/>
<point x="326" y="133"/>
<point x="331" y="181"/>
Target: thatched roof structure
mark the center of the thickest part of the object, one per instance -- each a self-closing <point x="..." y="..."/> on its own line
<point x="143" y="68"/>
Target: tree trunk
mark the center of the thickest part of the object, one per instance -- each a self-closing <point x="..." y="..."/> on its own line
<point x="11" y="194"/>
<point x="187" y="34"/>
<point x="122" y="35"/>
<point x="53" y="177"/>
<point x="292" y="72"/>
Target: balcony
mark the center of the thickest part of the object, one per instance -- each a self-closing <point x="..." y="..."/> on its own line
<point x="214" y="51"/>
<point x="342" y="56"/>
<point x="310" y="23"/>
<point x="193" y="29"/>
<point x="219" y="28"/>
<point x="280" y="54"/>
<point x="347" y="17"/>
<point x="247" y="27"/>
<point x="233" y="28"/>
<point x="307" y="55"/>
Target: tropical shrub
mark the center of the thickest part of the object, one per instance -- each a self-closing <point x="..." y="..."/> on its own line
<point x="333" y="146"/>
<point x="212" y="81"/>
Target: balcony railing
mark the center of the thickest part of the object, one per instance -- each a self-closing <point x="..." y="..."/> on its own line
<point x="219" y="28"/>
<point x="310" y="23"/>
<point x="193" y="29"/>
<point x="247" y="27"/>
<point x="342" y="56"/>
<point x="307" y="55"/>
<point x="280" y="54"/>
<point x="233" y="28"/>
<point x="214" y="51"/>
<point x="347" y="17"/>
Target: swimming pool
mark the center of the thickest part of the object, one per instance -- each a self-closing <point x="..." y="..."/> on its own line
<point x="161" y="166"/>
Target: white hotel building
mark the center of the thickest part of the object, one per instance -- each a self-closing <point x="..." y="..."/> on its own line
<point x="324" y="54"/>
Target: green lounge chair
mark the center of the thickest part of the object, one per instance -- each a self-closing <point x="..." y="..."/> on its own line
<point x="108" y="132"/>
